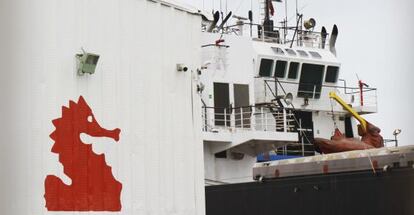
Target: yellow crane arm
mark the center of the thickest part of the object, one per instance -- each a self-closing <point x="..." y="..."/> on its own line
<point x="361" y="120"/>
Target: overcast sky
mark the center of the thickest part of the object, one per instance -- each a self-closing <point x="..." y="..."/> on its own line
<point x="376" y="41"/>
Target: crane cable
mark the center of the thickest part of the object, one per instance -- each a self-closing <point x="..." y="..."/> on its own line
<point x="333" y="114"/>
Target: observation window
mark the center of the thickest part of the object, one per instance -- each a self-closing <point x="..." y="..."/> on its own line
<point x="332" y="74"/>
<point x="293" y="70"/>
<point x="266" y="67"/>
<point x="310" y="83"/>
<point x="280" y="69"/>
<point x="302" y="53"/>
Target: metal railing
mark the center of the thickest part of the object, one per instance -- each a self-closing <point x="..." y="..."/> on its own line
<point x="352" y="95"/>
<point x="254" y="118"/>
<point x="279" y="34"/>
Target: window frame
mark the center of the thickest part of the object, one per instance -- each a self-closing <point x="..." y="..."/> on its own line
<point x="302" y="53"/>
<point x="326" y="74"/>
<point x="272" y="67"/>
<point x="318" y="92"/>
<point x="291" y="52"/>
<point x="275" y="67"/>
<point x="315" y="55"/>
<point x="297" y="70"/>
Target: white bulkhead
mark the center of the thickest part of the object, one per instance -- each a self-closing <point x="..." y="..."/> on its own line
<point x="136" y="87"/>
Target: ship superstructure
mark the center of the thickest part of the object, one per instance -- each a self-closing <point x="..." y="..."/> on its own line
<point x="265" y="89"/>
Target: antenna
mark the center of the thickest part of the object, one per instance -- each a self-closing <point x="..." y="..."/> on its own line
<point x="221" y="11"/>
<point x="286" y="12"/>
<point x="285" y="26"/>
<point x="225" y="20"/>
<point x="226" y="8"/>
<point x="297" y="10"/>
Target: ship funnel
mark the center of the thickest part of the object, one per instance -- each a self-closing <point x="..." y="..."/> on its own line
<point x="332" y="41"/>
<point x="214" y="23"/>
<point x="310" y="23"/>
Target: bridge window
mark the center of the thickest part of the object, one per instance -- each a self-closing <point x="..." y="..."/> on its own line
<point x="266" y="67"/>
<point x="291" y="52"/>
<point x="315" y="55"/>
<point x="278" y="51"/>
<point x="302" y="53"/>
<point x="332" y="74"/>
<point x="310" y="83"/>
<point x="280" y="69"/>
<point x="293" y="70"/>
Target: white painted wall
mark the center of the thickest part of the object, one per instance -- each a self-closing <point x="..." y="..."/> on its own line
<point x="323" y="125"/>
<point x="227" y="170"/>
<point x="234" y="65"/>
<point x="159" y="158"/>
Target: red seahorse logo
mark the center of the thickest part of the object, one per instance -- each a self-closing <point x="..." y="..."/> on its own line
<point x="93" y="186"/>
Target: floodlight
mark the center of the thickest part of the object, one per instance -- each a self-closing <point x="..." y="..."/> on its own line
<point x="87" y="62"/>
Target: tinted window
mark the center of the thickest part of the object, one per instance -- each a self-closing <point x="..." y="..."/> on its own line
<point x="293" y="70"/>
<point x="265" y="67"/>
<point x="315" y="54"/>
<point x="310" y="83"/>
<point x="278" y="51"/>
<point x="302" y="53"/>
<point x="291" y="52"/>
<point x="280" y="69"/>
<point x="332" y="74"/>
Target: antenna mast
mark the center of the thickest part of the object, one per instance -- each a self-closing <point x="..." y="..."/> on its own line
<point x="285" y="22"/>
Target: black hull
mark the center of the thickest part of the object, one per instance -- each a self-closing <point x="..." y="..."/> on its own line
<point x="350" y="193"/>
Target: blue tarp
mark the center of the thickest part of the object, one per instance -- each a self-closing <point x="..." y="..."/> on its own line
<point x="261" y="158"/>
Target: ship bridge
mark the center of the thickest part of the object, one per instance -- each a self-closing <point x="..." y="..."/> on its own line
<point x="308" y="74"/>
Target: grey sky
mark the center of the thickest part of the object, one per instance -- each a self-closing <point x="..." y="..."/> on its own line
<point x="375" y="41"/>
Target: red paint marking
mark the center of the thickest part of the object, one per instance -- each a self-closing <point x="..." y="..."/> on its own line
<point x="325" y="168"/>
<point x="375" y="164"/>
<point x="93" y="186"/>
<point x="277" y="173"/>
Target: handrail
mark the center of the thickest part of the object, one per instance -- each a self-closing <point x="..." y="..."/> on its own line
<point x="318" y="91"/>
<point x="264" y="35"/>
<point x="367" y="89"/>
<point x="247" y="117"/>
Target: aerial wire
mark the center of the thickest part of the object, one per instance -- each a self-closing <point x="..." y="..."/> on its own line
<point x="238" y="7"/>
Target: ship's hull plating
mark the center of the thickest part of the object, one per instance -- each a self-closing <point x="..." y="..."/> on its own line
<point x="363" y="192"/>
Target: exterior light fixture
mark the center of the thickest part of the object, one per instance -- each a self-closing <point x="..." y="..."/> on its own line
<point x="87" y="62"/>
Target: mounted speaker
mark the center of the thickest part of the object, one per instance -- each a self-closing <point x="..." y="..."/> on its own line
<point x="288" y="99"/>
